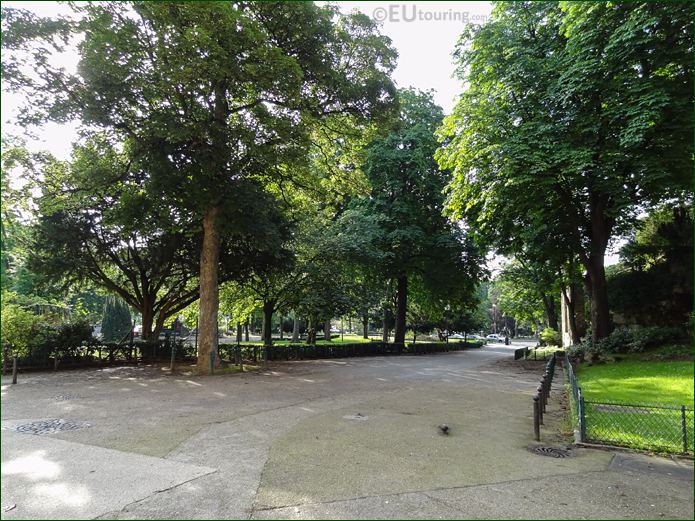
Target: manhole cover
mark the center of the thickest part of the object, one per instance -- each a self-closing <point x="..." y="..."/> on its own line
<point x="553" y="452"/>
<point x="48" y="426"/>
<point x="66" y="397"/>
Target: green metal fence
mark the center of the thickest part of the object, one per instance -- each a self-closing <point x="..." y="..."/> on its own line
<point x="661" y="428"/>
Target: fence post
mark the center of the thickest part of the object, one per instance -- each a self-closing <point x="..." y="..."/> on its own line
<point x="684" y="430"/>
<point x="173" y="356"/>
<point x="582" y="418"/>
<point x="14" y="369"/>
<point x="539" y="393"/>
<point x="536" y="419"/>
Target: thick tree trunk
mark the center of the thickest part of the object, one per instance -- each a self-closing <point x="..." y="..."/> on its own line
<point x="238" y="332"/>
<point x="282" y="333"/>
<point x="295" y="330"/>
<point x="246" y="331"/>
<point x="385" y="333"/>
<point x="550" y="311"/>
<point x="600" y="317"/>
<point x="267" y="333"/>
<point x="401" y="307"/>
<point x="158" y="326"/>
<point x="327" y="330"/>
<point x="147" y="314"/>
<point x="365" y="327"/>
<point x="569" y="295"/>
<point x="209" y="294"/>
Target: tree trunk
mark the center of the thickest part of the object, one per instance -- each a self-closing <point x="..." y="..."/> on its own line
<point x="550" y="311"/>
<point x="401" y="307"/>
<point x="295" y="330"/>
<point x="385" y="333"/>
<point x="147" y="314"/>
<point x="158" y="326"/>
<point x="246" y="331"/>
<point x="281" y="329"/>
<point x="365" y="327"/>
<point x="267" y="333"/>
<point x="309" y="331"/>
<point x="327" y="330"/>
<point x="209" y="292"/>
<point x="600" y="317"/>
<point x="238" y="332"/>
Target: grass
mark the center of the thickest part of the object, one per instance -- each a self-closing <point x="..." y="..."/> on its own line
<point x="632" y="381"/>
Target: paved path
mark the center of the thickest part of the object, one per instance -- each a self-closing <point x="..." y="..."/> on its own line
<point x="343" y="438"/>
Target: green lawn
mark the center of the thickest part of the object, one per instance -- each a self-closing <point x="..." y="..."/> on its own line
<point x="634" y="382"/>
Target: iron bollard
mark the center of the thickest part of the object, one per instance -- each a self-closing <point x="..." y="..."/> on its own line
<point x="536" y="419"/>
<point x="544" y="387"/>
<point x="539" y="394"/>
<point x="14" y="369"/>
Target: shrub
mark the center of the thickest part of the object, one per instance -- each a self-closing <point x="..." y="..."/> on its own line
<point x="577" y="351"/>
<point x="549" y="337"/>
<point x="634" y="340"/>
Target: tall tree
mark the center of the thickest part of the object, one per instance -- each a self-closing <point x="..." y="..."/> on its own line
<point x="211" y="93"/>
<point x="100" y="220"/>
<point x="116" y="321"/>
<point x="401" y="221"/>
<point x="576" y="117"/>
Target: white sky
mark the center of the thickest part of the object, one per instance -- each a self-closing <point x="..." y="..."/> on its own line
<point x="423" y="33"/>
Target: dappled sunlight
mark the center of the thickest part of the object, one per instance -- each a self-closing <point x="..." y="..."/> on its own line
<point x="221" y="395"/>
<point x="70" y="495"/>
<point x="34" y="466"/>
<point x="308" y="380"/>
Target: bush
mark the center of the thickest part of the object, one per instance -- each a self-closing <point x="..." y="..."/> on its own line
<point x="549" y="337"/>
<point x="630" y="340"/>
<point x="70" y="337"/>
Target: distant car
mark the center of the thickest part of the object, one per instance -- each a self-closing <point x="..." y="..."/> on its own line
<point x="456" y="335"/>
<point x="476" y="337"/>
<point x="494" y="337"/>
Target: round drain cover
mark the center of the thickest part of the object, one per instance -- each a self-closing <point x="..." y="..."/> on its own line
<point x="553" y="452"/>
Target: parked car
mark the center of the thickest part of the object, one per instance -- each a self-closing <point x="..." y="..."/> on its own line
<point x="495" y="337"/>
<point x="456" y="335"/>
<point x="476" y="337"/>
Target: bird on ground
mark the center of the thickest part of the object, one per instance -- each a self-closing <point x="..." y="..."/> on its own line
<point x="444" y="428"/>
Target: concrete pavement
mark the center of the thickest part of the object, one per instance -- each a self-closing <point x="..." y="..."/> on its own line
<point x="343" y="438"/>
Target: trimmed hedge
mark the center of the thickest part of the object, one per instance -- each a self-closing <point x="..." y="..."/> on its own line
<point x="312" y="352"/>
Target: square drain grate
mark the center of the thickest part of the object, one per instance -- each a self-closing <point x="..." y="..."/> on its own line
<point x="49" y="426"/>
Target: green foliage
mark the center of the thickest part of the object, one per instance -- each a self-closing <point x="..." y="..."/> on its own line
<point x="549" y="337"/>
<point x="116" y="321"/>
<point x="577" y="116"/>
<point x="22" y="329"/>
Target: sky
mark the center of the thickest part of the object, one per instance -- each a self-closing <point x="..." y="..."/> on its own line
<point x="423" y="33"/>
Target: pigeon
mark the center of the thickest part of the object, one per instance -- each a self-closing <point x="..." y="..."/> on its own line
<point x="444" y="428"/>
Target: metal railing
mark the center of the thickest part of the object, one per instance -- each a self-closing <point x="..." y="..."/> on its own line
<point x="540" y="399"/>
<point x="665" y="428"/>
